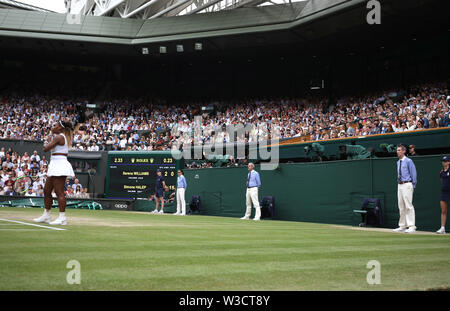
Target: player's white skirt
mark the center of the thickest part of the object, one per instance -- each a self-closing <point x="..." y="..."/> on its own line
<point x="59" y="166"/>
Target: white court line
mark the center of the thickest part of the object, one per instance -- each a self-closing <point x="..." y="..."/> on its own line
<point x="25" y="223"/>
<point x="17" y="229"/>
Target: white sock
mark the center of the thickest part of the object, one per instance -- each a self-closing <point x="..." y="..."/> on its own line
<point x="443" y="228"/>
<point x="46" y="212"/>
<point x="62" y="214"/>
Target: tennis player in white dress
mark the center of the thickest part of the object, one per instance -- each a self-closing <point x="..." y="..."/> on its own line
<point x="58" y="170"/>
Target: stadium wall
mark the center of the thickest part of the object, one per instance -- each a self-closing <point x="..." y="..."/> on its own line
<point x="322" y="192"/>
<point x="22" y="146"/>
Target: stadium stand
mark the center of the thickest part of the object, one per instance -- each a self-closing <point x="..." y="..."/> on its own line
<point x="135" y="126"/>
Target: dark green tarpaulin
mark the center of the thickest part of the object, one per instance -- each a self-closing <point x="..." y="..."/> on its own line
<point x="39" y="202"/>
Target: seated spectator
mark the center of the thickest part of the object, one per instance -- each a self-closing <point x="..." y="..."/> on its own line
<point x="76" y="185"/>
<point x="69" y="192"/>
<point x="84" y="193"/>
<point x="30" y="193"/>
<point x="43" y="161"/>
<point x="68" y="185"/>
<point x="412" y="151"/>
<point x="40" y="191"/>
<point x="9" y="191"/>
<point x="26" y="157"/>
<point x="35" y="157"/>
<point x="10" y="181"/>
<point x="35" y="165"/>
<point x="38" y="181"/>
<point x="4" y="176"/>
<point x="77" y="193"/>
<point x="92" y="147"/>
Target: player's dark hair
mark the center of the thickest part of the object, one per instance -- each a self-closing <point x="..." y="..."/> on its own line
<point x="68" y="131"/>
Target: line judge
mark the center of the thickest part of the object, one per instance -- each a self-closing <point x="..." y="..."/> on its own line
<point x="407" y="181"/>
<point x="253" y="183"/>
<point x="181" y="188"/>
<point x="445" y="192"/>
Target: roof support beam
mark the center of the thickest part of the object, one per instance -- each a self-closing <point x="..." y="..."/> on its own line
<point x="205" y="6"/>
<point x="112" y="7"/>
<point x="170" y="8"/>
<point x="142" y="7"/>
<point x="248" y="3"/>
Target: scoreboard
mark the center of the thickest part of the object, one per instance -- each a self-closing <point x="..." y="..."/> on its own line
<point x="132" y="174"/>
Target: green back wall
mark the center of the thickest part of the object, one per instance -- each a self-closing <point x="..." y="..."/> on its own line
<point x="323" y="192"/>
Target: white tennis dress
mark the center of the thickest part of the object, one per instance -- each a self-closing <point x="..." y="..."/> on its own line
<point x="59" y="166"/>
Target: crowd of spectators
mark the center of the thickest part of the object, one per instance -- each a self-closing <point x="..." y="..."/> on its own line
<point x="25" y="175"/>
<point x="31" y="118"/>
<point x="30" y="107"/>
<point x="142" y="125"/>
<point x="122" y="125"/>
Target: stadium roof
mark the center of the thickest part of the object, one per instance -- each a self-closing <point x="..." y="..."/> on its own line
<point x="330" y="24"/>
<point x="140" y="9"/>
<point x="22" y="5"/>
<point x="241" y="20"/>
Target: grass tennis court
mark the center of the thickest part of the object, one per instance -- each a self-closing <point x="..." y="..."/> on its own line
<point x="139" y="251"/>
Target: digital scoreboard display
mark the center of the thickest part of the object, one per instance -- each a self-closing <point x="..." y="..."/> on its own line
<point x="132" y="174"/>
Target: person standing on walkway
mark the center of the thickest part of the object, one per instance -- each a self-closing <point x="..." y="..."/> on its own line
<point x="181" y="190"/>
<point x="445" y="192"/>
<point x="253" y="184"/>
<point x="407" y="181"/>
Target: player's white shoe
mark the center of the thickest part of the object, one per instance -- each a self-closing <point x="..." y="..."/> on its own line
<point x="256" y="219"/>
<point x="154" y="211"/>
<point x="410" y="230"/>
<point x="441" y="231"/>
<point x="245" y="218"/>
<point x="59" y="221"/>
<point x="182" y="214"/>
<point x="44" y="218"/>
<point x="399" y="229"/>
<point x="177" y="213"/>
<point x="161" y="212"/>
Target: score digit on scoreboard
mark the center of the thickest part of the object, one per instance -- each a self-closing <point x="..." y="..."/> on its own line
<point x="132" y="174"/>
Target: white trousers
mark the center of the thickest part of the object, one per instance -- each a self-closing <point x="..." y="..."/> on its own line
<point x="405" y="206"/>
<point x="181" y="201"/>
<point x="252" y="197"/>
